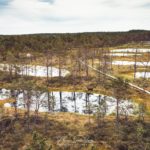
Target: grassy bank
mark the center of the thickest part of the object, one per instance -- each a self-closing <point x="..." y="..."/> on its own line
<point x="70" y="131"/>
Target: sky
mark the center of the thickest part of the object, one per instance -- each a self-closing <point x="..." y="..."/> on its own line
<point x="68" y="16"/>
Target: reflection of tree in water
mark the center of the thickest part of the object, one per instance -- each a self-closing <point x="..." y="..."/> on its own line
<point x="37" y="99"/>
<point x="102" y="104"/>
<point x="101" y="109"/>
<point x="75" y="103"/>
<point x="14" y="94"/>
<point x="88" y="104"/>
<point x="47" y="100"/>
<point x="37" y="95"/>
<point x="62" y="101"/>
<point x="125" y="108"/>
<point x="73" y="98"/>
<point x="53" y="101"/>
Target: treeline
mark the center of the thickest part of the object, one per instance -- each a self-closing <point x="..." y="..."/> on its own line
<point x="41" y="42"/>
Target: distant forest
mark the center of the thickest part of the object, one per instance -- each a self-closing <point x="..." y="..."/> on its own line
<point x="42" y="42"/>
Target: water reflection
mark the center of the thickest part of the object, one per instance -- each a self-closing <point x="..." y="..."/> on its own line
<point x="132" y="50"/>
<point x="36" y="71"/>
<point x="78" y="102"/>
<point x="119" y="62"/>
<point x="142" y="74"/>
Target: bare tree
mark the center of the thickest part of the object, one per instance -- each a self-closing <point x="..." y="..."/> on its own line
<point x="135" y="63"/>
<point x="120" y="92"/>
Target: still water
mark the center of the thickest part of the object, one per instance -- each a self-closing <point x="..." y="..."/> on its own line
<point x="78" y="102"/>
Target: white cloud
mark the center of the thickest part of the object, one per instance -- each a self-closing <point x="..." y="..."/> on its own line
<point x="37" y="16"/>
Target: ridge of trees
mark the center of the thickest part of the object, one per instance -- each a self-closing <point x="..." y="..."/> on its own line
<point x="38" y="42"/>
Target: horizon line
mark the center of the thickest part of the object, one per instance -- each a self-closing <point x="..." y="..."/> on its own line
<point x="36" y="33"/>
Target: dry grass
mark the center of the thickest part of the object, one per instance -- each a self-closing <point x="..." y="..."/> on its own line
<point x="65" y="129"/>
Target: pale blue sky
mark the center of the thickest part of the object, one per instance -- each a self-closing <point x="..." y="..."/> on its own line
<point x="50" y="16"/>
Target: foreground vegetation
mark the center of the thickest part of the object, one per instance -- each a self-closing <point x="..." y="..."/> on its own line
<point x="71" y="131"/>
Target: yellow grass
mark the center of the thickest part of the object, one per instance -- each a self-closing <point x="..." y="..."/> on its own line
<point x="2" y="102"/>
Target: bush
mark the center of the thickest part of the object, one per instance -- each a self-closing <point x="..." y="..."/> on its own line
<point x="38" y="143"/>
